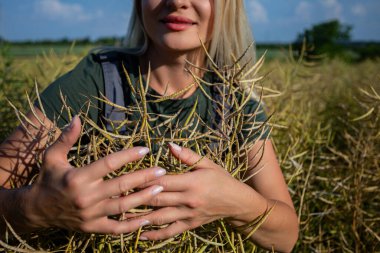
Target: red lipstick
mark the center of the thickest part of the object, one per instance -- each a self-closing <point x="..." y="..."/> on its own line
<point x="177" y="23"/>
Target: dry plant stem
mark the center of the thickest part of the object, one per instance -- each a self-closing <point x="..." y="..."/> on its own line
<point x="225" y="150"/>
<point x="316" y="106"/>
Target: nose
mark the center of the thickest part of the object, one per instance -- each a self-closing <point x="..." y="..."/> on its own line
<point x="177" y="4"/>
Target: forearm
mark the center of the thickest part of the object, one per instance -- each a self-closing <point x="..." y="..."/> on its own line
<point x="21" y="150"/>
<point x="279" y="230"/>
<point x="13" y="210"/>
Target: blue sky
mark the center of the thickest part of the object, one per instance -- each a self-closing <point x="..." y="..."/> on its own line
<point x="272" y="20"/>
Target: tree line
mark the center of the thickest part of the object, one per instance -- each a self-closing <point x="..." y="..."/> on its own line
<point x="67" y="41"/>
<point x="334" y="40"/>
<point x="331" y="39"/>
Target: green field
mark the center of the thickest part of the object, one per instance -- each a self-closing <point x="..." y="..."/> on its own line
<point x="326" y="118"/>
<point x="35" y="50"/>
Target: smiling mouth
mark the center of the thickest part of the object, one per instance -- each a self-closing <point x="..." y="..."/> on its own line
<point x="178" y="20"/>
<point x="177" y="23"/>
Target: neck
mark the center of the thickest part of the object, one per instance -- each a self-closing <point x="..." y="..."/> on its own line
<point x="168" y="71"/>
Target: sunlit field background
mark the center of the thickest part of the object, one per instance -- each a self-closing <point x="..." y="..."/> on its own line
<point x="326" y="117"/>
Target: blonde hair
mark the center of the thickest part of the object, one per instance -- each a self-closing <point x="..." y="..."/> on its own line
<point x="231" y="34"/>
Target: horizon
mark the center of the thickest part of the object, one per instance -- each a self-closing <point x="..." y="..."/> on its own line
<point x="60" y="40"/>
<point x="273" y="21"/>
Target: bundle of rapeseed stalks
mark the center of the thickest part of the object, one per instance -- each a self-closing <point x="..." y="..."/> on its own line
<point x="223" y="143"/>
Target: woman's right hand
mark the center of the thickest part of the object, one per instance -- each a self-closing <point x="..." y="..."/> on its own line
<point x="79" y="199"/>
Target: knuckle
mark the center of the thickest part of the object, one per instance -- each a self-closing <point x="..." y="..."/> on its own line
<point x="147" y="177"/>
<point x="193" y="214"/>
<point x="71" y="181"/>
<point x="156" y="201"/>
<point x="122" y="206"/>
<point x="84" y="216"/>
<point x="162" y="182"/>
<point x="194" y="203"/>
<point x="159" y="221"/>
<point x="79" y="202"/>
<point x="165" y="183"/>
<point x="123" y="186"/>
<point x="108" y="163"/>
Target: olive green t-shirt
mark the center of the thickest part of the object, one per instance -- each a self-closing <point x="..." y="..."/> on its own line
<point x="81" y="87"/>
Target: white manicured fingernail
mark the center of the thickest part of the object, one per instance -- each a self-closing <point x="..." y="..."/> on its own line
<point x="144" y="223"/>
<point x="143" y="238"/>
<point x="160" y="172"/>
<point x="143" y="151"/>
<point x="175" y="147"/>
<point x="156" y="190"/>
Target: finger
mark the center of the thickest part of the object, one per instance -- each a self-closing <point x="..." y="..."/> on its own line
<point x="61" y="147"/>
<point x="172" y="230"/>
<point x="123" y="204"/>
<point x="110" y="226"/>
<point x="123" y="184"/>
<point x="189" y="157"/>
<point x="176" y="183"/>
<point x="168" y="215"/>
<point x="111" y="162"/>
<point x="168" y="199"/>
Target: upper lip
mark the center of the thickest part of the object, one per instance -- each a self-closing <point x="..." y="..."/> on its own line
<point x="177" y="19"/>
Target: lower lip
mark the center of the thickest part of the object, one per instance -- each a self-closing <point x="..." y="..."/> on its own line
<point x="177" y="27"/>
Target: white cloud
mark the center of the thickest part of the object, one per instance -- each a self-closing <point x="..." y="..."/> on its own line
<point x="57" y="10"/>
<point x="257" y="11"/>
<point x="304" y="10"/>
<point x="359" y="10"/>
<point x="329" y="2"/>
<point x="333" y="8"/>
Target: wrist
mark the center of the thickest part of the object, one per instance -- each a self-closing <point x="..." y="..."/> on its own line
<point x="31" y="209"/>
<point x="16" y="210"/>
<point x="251" y="207"/>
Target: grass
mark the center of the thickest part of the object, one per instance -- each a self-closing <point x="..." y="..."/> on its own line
<point x="326" y="134"/>
<point x="19" y="75"/>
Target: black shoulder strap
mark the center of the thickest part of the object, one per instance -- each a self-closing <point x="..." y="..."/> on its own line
<point x="114" y="91"/>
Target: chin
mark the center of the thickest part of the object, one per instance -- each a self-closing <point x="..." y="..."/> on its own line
<point x="181" y="41"/>
<point x="179" y="48"/>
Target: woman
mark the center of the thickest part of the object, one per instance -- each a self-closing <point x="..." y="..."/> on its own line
<point x="167" y="34"/>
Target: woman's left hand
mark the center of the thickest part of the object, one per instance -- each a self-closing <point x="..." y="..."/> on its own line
<point x="195" y="198"/>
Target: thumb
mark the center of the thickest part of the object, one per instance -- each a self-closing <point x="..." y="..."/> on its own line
<point x="189" y="157"/>
<point x="61" y="147"/>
